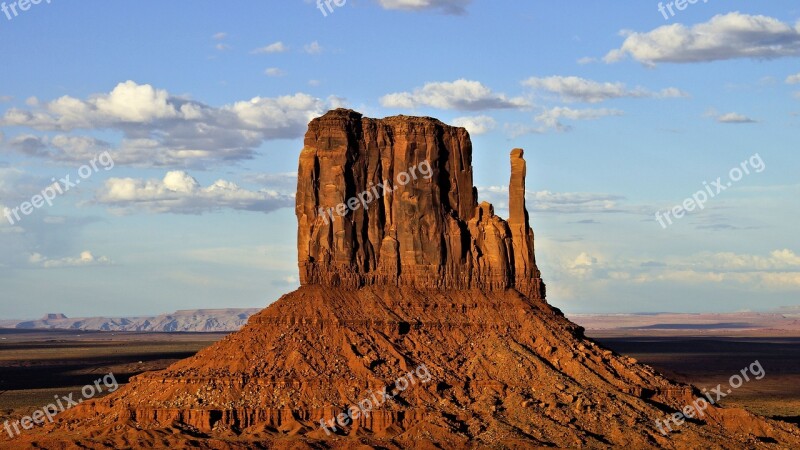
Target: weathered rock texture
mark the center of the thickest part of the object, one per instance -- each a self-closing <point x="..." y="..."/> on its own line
<point x="419" y="223"/>
<point x="425" y="277"/>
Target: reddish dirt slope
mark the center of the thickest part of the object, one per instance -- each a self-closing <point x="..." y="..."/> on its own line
<point x="505" y="372"/>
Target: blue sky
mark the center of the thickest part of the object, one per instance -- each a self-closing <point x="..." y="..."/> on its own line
<point x="202" y="107"/>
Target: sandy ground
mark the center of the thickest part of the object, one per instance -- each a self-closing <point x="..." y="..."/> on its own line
<point x="37" y="365"/>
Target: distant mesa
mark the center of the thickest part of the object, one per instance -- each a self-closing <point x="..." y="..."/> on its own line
<point x="197" y="321"/>
<point x="58" y="316"/>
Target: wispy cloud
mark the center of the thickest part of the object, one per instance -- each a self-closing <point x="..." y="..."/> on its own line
<point x="5" y="226"/>
<point x="457" y="7"/>
<point x="734" y="118"/>
<point x="281" y="182"/>
<point x="274" y="72"/>
<point x="86" y="258"/>
<point x="576" y="89"/>
<point x="779" y="271"/>
<point x="275" y="47"/>
<point x="559" y="202"/>
<point x="551" y="119"/>
<point x="313" y="48"/>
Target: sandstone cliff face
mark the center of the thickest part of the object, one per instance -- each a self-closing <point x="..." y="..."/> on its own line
<point x="391" y="201"/>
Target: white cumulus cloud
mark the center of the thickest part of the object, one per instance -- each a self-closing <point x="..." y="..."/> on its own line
<point x="725" y="36"/>
<point x="159" y="129"/>
<point x="476" y="124"/>
<point x="461" y="94"/>
<point x="178" y="192"/>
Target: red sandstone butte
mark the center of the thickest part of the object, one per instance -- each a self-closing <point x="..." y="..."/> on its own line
<point x="428" y="233"/>
<point x="425" y="276"/>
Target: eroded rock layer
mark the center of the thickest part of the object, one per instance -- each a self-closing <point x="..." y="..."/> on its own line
<point x="391" y="201"/>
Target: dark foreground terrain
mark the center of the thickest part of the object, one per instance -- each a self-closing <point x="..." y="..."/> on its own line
<point x="37" y="365"/>
<point x="708" y="361"/>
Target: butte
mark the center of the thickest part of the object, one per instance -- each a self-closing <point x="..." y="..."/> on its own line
<point x="424" y="276"/>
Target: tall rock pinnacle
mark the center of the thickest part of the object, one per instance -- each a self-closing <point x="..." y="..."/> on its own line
<point x="392" y="201"/>
<point x="527" y="275"/>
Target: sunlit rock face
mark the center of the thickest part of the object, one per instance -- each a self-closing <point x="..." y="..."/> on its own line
<point x="391" y="201"/>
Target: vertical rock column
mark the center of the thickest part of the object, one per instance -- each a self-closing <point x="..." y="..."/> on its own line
<point x="526" y="274"/>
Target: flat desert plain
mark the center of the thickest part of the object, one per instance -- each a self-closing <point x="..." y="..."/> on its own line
<point x="37" y="365"/>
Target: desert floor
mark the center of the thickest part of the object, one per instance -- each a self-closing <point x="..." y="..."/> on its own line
<point x="35" y="366"/>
